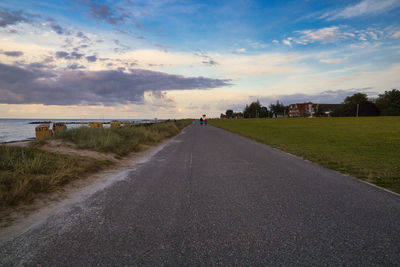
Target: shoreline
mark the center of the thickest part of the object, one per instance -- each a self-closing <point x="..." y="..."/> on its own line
<point x="23" y="142"/>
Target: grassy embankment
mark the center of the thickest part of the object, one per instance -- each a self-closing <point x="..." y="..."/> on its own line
<point x="27" y="171"/>
<point x="367" y="148"/>
<point x="124" y="140"/>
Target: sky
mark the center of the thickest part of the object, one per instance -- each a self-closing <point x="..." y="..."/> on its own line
<point x="181" y="59"/>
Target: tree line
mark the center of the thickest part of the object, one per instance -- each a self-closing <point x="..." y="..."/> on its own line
<point x="387" y="104"/>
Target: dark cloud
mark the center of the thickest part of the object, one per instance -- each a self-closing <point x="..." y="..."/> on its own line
<point x="37" y="65"/>
<point x="57" y="28"/>
<point x="8" y="17"/>
<point x="53" y="24"/>
<point x="104" y="12"/>
<point x="91" y="58"/>
<point x="207" y="60"/>
<point x="12" y="53"/>
<point x="66" y="55"/>
<point x="82" y="36"/>
<point x="75" y="66"/>
<point x="23" y="85"/>
<point x="76" y="55"/>
<point x="210" y="62"/>
<point x="114" y="15"/>
<point x="61" y="54"/>
<point x="122" y="48"/>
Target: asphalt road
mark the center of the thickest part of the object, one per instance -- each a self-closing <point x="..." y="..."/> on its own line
<point x="214" y="198"/>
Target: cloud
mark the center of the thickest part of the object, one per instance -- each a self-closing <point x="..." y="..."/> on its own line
<point x="396" y="34"/>
<point x="363" y="8"/>
<point x="258" y="45"/>
<point x="56" y="27"/>
<point x="61" y="54"/>
<point x="104" y="12"/>
<point x="67" y="55"/>
<point x="27" y="85"/>
<point x="333" y="61"/>
<point x="122" y="48"/>
<point x="323" y="35"/>
<point x="241" y="50"/>
<point x="210" y="62"/>
<point x="159" y="99"/>
<point x="334" y="34"/>
<point x="12" y="53"/>
<point x="8" y="17"/>
<point x="207" y="60"/>
<point x="287" y="41"/>
<point x="91" y="58"/>
<point x="75" y="66"/>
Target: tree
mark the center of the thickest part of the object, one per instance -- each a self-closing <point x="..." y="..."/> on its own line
<point x="255" y="110"/>
<point x="319" y="112"/>
<point x="229" y="113"/>
<point x="352" y="103"/>
<point x="263" y="112"/>
<point x="278" y="109"/>
<point x="356" y="99"/>
<point x="389" y="103"/>
<point x="237" y="115"/>
<point x="222" y="116"/>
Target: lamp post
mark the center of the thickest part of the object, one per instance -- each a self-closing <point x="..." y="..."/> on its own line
<point x="357" y="109"/>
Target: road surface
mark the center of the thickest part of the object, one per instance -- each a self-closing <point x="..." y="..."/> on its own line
<point x="211" y="197"/>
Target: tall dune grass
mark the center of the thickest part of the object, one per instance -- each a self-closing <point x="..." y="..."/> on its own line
<point x="27" y="171"/>
<point x="121" y="140"/>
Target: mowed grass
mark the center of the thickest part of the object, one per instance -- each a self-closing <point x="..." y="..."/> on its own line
<point x="367" y="147"/>
<point x="122" y="140"/>
<point x="27" y="171"/>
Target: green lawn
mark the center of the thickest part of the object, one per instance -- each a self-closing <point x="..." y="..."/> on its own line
<point x="367" y="147"/>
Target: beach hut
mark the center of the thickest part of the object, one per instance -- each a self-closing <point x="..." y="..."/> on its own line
<point x="115" y="124"/>
<point x="42" y="130"/>
<point x="59" y="126"/>
<point x="95" y="124"/>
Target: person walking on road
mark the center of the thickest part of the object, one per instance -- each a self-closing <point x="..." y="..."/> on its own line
<point x="201" y="121"/>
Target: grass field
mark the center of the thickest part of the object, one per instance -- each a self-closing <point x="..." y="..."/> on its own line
<point x="367" y="147"/>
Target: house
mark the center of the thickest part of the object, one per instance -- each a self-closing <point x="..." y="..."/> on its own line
<point x="302" y="110"/>
<point x="310" y="109"/>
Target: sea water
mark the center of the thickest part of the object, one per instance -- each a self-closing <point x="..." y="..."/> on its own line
<point x="21" y="129"/>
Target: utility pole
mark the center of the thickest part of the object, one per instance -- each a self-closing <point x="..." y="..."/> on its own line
<point x="357" y="109"/>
